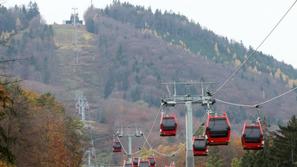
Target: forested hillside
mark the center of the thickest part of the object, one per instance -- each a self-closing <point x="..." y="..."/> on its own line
<point x="118" y="62"/>
<point x="30" y="41"/>
<point x="16" y="19"/>
<point x="35" y="129"/>
<point x="178" y="30"/>
<point x="135" y="61"/>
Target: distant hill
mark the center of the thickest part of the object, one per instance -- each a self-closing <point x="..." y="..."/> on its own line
<point x="178" y="30"/>
<point x="140" y="58"/>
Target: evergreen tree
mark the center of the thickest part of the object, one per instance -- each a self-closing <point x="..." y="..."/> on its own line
<point x="213" y="160"/>
<point x="256" y="159"/>
<point x="90" y="25"/>
<point x="285" y="144"/>
<point x="280" y="149"/>
<point x="33" y="10"/>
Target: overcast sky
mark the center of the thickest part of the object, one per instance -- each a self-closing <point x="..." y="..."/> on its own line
<point x="248" y="21"/>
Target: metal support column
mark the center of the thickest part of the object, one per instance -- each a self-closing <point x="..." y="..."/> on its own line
<point x="189" y="135"/>
<point x="82" y="106"/>
<point x="83" y="113"/>
<point x="89" y="158"/>
<point x="129" y="148"/>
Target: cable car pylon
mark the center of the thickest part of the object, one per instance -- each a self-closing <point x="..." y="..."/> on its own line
<point x="188" y="100"/>
<point x="81" y="105"/>
<point x="129" y="133"/>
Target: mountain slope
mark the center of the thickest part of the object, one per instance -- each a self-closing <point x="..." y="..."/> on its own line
<point x="124" y="62"/>
<point x="145" y="60"/>
<point x="177" y="29"/>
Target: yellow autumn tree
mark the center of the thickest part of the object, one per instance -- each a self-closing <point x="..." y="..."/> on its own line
<point x="35" y="130"/>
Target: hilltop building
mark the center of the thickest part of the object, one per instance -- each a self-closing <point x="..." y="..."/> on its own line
<point x="74" y="19"/>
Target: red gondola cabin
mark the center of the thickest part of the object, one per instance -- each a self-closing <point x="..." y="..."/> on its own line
<point x="168" y="125"/>
<point x="252" y="136"/>
<point x="152" y="161"/>
<point x="218" y="129"/>
<point x="116" y="147"/>
<point x="200" y="146"/>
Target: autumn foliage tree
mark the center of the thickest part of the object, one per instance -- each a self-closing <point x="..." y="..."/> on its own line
<point x="35" y="131"/>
